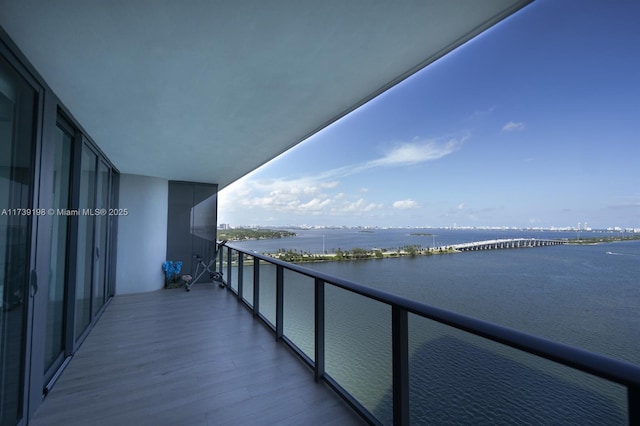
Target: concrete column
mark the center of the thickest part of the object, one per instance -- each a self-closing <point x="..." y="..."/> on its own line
<point x="142" y="234"/>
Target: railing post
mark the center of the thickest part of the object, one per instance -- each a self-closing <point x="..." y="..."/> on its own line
<point x="240" y="274"/>
<point x="400" y="347"/>
<point x="319" y="329"/>
<point x="279" y="302"/>
<point x="256" y="286"/>
<point x="633" y="405"/>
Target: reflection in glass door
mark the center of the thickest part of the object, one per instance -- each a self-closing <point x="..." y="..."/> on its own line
<point x="17" y="106"/>
<point x="102" y="206"/>
<point x="86" y="251"/>
<point x="56" y="303"/>
<point x="92" y="258"/>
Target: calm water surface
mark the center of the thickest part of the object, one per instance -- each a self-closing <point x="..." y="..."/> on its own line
<point x="583" y="295"/>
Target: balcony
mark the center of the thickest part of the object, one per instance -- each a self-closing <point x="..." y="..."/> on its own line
<point x="173" y="357"/>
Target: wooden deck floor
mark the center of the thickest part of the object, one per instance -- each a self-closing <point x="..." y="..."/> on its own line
<point x="187" y="358"/>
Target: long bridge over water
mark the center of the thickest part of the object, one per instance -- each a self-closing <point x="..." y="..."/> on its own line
<point x="505" y="244"/>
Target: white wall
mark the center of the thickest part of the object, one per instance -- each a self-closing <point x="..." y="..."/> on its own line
<point x="142" y="234"/>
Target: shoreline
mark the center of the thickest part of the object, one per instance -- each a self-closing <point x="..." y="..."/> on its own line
<point x="339" y="255"/>
<point x="601" y="240"/>
<point x="295" y="256"/>
<point x="356" y="254"/>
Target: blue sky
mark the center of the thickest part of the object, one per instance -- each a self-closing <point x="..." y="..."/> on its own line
<point x="534" y="123"/>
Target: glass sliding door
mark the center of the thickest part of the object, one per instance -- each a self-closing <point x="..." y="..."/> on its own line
<point x="17" y="111"/>
<point x="92" y="261"/>
<point x="57" y="295"/>
<point x="101" y="223"/>
<point x="55" y="238"/>
<point x="86" y="251"/>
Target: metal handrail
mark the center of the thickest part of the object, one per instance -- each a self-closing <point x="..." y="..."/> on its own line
<point x="609" y="368"/>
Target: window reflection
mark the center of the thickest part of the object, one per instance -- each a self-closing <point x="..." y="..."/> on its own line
<point x="17" y="104"/>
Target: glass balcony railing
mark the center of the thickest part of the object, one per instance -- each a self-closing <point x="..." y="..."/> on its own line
<point x="397" y="361"/>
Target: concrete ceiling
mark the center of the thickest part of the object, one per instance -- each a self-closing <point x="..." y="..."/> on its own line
<point x="204" y="90"/>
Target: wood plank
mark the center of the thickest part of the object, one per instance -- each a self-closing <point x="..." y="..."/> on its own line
<point x="190" y="358"/>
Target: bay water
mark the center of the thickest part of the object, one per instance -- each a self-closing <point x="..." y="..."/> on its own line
<point x="586" y="296"/>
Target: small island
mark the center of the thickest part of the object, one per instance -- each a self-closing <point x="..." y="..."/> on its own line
<point x="338" y="254"/>
<point x="601" y="240"/>
<point x="244" y="234"/>
<point x="297" y="256"/>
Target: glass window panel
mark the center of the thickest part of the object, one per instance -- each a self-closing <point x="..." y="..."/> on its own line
<point x="458" y="378"/>
<point x="224" y="253"/>
<point x="17" y="107"/>
<point x="358" y="348"/>
<point x="298" y="311"/>
<point x="203" y="221"/>
<point x="232" y="280"/>
<point x="268" y="291"/>
<point x="86" y="249"/>
<point x="101" y="221"/>
<point x="247" y="280"/>
<point x="204" y="213"/>
<point x="54" y="344"/>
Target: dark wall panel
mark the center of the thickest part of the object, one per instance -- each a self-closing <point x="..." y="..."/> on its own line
<point x="192" y="220"/>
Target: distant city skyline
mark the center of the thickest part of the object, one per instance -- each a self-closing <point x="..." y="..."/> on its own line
<point x="531" y="124"/>
<point x="223" y="226"/>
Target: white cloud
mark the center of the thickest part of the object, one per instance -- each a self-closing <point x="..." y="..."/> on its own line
<point x="318" y="194"/>
<point x="360" y="206"/>
<point x="512" y="126"/>
<point x="277" y="195"/>
<point x="290" y="197"/>
<point x="314" y="205"/>
<point x="407" y="154"/>
<point x="405" y="204"/>
<point x="482" y="113"/>
<point x="404" y="154"/>
<point x="460" y="206"/>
